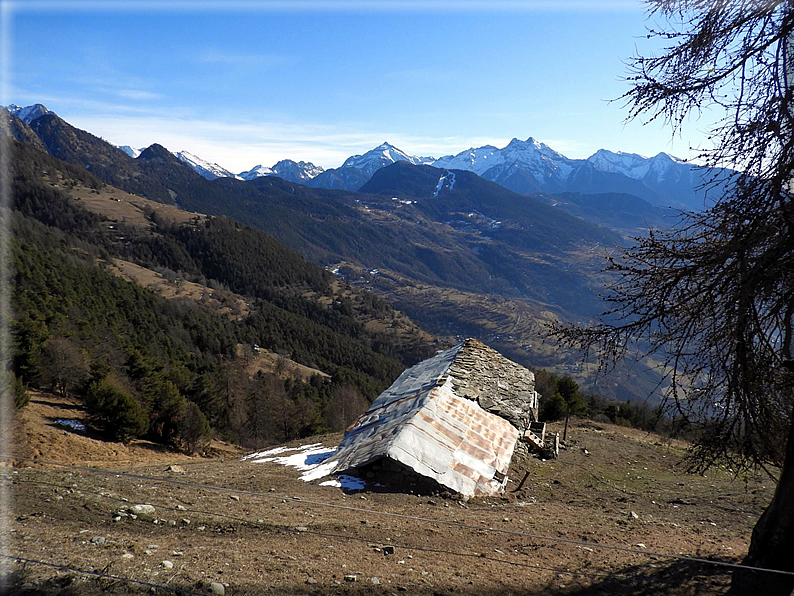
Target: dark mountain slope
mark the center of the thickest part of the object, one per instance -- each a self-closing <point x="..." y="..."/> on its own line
<point x="15" y="128"/>
<point x="460" y="196"/>
<point x="298" y="307"/>
<point x="110" y="164"/>
<point x="627" y="213"/>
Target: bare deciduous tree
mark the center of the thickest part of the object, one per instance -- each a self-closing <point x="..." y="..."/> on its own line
<point x="714" y="295"/>
<point x="63" y="365"/>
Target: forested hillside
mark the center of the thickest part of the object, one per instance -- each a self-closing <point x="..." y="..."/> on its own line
<point x="163" y="368"/>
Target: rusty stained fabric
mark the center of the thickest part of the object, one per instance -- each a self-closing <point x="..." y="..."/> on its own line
<point x="435" y="433"/>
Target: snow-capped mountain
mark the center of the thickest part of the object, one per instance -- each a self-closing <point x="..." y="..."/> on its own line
<point x="383" y="155"/>
<point x="256" y="172"/>
<point x="131" y="151"/>
<point x="668" y="175"/>
<point x="28" y="114"/>
<point x="537" y="157"/>
<point x="294" y="171"/>
<point x="209" y="170"/>
<point x="529" y="166"/>
<point x="358" y="169"/>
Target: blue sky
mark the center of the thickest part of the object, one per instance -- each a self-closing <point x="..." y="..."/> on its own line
<point x="245" y="83"/>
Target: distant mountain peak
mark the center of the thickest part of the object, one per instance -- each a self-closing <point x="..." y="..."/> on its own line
<point x="294" y="171"/>
<point x="131" y="151"/>
<point x="156" y="151"/>
<point x="29" y="113"/>
<point x="209" y="170"/>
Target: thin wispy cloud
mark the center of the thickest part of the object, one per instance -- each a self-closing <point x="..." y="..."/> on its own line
<point x="231" y="59"/>
<point x="135" y="94"/>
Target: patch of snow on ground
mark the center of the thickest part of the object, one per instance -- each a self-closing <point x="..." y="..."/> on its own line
<point x="439" y="186"/>
<point x="71" y="423"/>
<point x="314" y="461"/>
<point x="276" y="451"/>
<point x="310" y="459"/>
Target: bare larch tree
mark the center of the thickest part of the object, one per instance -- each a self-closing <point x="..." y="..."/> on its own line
<point x="713" y="295"/>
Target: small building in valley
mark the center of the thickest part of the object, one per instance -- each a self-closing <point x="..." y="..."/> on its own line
<point x="451" y="421"/>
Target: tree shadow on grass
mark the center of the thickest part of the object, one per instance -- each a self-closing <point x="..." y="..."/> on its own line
<point x="685" y="578"/>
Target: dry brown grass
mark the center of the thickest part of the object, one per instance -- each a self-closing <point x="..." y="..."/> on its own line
<point x="222" y="301"/>
<point x="121" y="207"/>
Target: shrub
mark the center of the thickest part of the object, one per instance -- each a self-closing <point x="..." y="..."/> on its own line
<point x="193" y="428"/>
<point x="114" y="412"/>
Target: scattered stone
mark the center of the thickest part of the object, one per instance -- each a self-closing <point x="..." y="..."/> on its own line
<point x="633" y="515"/>
<point x="116" y="518"/>
<point x="127" y="556"/>
<point x="335" y="584"/>
<point x="301" y="529"/>
<point x="201" y="528"/>
<point x="177" y="553"/>
<point x="172" y="522"/>
<point x="640" y="545"/>
<point x="176" y="469"/>
<point x="148" y="552"/>
<point x="351" y="578"/>
<point x="234" y="497"/>
<point x="185" y="521"/>
<point x="142" y="509"/>
<point x="311" y="581"/>
<point x="217" y="588"/>
<point x="98" y="540"/>
<point x="167" y="564"/>
<point x="374" y="581"/>
<point x="388" y="550"/>
<point x="180" y="507"/>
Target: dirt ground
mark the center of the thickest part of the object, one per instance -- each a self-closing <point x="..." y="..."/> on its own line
<point x="591" y="522"/>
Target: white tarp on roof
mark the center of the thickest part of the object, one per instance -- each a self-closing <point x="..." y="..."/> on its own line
<point x="435" y="433"/>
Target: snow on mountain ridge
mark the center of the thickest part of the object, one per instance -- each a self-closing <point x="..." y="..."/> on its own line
<point x="256" y="172"/>
<point x="131" y="151"/>
<point x="29" y="113"/>
<point x="536" y="158"/>
<point x="209" y="170"/>
<point x="294" y="171"/>
<point x="658" y="167"/>
<point x="383" y="155"/>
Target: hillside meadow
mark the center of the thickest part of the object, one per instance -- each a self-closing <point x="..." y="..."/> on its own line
<point x="594" y="521"/>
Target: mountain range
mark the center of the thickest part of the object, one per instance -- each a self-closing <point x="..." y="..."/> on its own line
<point x="524" y="167"/>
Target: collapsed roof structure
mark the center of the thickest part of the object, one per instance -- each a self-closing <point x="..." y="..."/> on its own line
<point x="452" y="420"/>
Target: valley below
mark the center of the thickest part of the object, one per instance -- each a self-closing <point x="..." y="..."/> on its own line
<point x="615" y="514"/>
